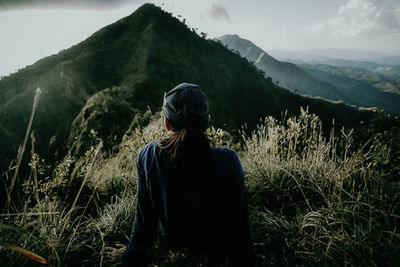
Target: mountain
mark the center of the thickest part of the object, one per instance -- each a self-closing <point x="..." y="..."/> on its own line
<point x="392" y="72"/>
<point x="286" y="74"/>
<point x="388" y="66"/>
<point x="360" y="83"/>
<point x="98" y="87"/>
<point x="389" y="70"/>
<point x="360" y="86"/>
<point x="367" y="65"/>
<point x="332" y="54"/>
<point x="389" y="60"/>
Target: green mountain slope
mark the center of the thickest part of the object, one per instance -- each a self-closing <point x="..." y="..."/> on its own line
<point x="121" y="70"/>
<point x="359" y="86"/>
<point x="286" y="74"/>
<point x="360" y="83"/>
<point x="392" y="72"/>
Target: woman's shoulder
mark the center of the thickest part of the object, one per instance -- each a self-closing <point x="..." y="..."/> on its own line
<point x="223" y="153"/>
<point x="222" y="150"/>
<point x="226" y="162"/>
<point x="149" y="149"/>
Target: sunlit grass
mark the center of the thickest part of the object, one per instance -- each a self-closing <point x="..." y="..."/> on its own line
<point x="314" y="199"/>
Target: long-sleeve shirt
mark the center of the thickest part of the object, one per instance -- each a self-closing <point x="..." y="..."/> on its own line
<point x="208" y="213"/>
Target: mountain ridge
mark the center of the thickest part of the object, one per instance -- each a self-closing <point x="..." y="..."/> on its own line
<point x="285" y="74"/>
<point x="124" y="69"/>
<point x="332" y="53"/>
<point x="351" y="84"/>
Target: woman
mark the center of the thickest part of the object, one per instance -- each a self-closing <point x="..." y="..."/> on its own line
<point x="195" y="194"/>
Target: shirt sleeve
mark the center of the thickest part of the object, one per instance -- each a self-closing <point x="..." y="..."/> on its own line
<point x="238" y="244"/>
<point x="145" y="223"/>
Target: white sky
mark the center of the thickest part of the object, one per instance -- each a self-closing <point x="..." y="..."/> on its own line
<point x="33" y="29"/>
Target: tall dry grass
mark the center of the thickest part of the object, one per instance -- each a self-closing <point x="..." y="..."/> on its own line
<point x="317" y="199"/>
<point x="314" y="199"/>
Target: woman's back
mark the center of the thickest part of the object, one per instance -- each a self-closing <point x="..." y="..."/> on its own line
<point x="195" y="193"/>
<point x="191" y="211"/>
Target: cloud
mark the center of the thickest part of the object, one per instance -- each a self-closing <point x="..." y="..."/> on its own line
<point x="361" y="18"/>
<point x="75" y="4"/>
<point x="219" y="12"/>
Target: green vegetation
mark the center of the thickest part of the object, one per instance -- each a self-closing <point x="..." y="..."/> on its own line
<point x="359" y="86"/>
<point x="357" y="83"/>
<point x="287" y="75"/>
<point x="320" y="201"/>
<point x="313" y="200"/>
<point x="135" y="60"/>
<point x="316" y="196"/>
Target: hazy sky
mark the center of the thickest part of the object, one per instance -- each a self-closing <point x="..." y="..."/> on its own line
<point x="32" y="29"/>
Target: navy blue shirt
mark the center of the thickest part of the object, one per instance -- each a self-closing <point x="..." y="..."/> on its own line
<point x="208" y="212"/>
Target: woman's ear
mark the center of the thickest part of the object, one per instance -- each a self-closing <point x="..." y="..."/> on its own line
<point x="167" y="127"/>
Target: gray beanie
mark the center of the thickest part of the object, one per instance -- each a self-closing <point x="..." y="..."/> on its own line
<point x="184" y="100"/>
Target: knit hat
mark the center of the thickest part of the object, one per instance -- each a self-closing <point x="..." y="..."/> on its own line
<point x="184" y="101"/>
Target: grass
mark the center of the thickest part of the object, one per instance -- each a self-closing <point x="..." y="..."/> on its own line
<point x="317" y="200"/>
<point x="313" y="200"/>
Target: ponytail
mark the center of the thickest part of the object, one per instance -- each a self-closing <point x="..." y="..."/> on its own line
<point x="187" y="148"/>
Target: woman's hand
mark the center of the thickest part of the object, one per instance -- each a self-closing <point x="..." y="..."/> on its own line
<point x="113" y="255"/>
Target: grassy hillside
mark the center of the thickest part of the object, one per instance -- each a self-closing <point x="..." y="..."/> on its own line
<point x="313" y="200"/>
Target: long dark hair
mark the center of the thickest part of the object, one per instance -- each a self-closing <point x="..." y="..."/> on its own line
<point x="187" y="148"/>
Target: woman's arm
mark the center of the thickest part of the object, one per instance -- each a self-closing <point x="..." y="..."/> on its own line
<point x="238" y="244"/>
<point x="145" y="224"/>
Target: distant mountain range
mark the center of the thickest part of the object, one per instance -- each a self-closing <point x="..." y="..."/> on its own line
<point x="362" y="87"/>
<point x="333" y="54"/>
<point x="360" y="83"/>
<point x="102" y="83"/>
